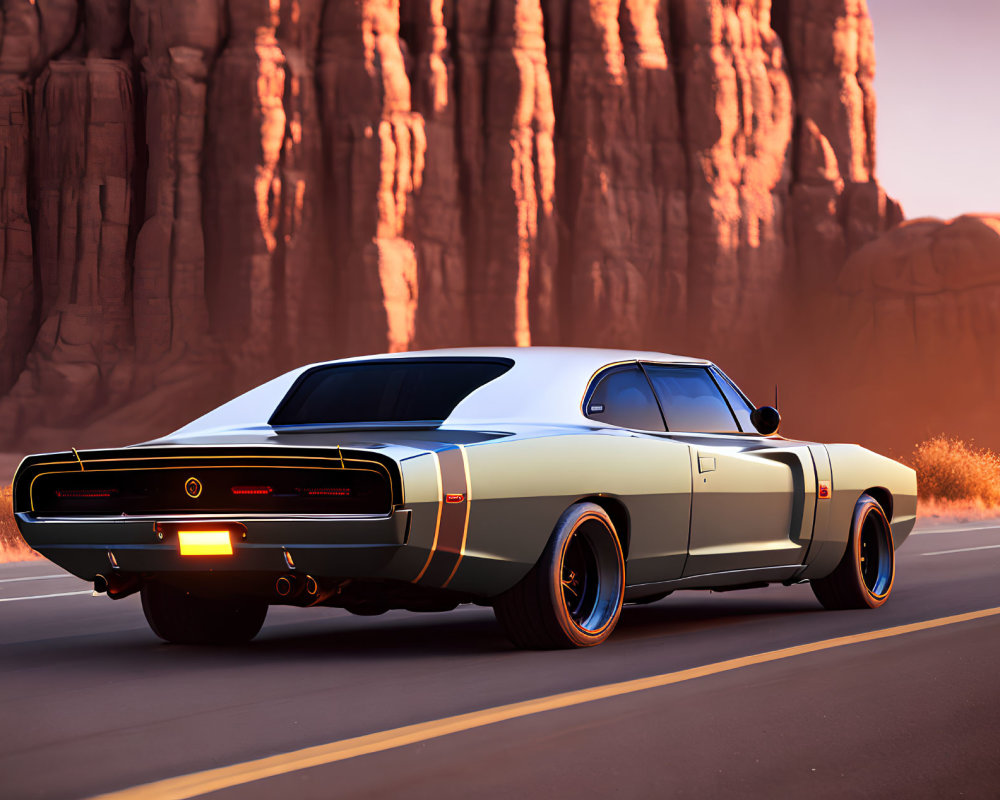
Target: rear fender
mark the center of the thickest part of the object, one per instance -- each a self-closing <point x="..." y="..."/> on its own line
<point x="520" y="488"/>
<point x="854" y="471"/>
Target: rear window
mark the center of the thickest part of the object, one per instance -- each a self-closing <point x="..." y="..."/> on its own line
<point x="397" y="390"/>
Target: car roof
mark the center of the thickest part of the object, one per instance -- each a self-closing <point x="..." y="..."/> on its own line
<point x="544" y="386"/>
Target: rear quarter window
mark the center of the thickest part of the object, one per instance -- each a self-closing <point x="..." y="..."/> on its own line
<point x="622" y="397"/>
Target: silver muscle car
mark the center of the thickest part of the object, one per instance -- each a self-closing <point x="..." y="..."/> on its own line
<point x="554" y="484"/>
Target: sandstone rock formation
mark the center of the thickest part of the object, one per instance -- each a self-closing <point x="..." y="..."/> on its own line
<point x="198" y="194"/>
<point x="919" y="318"/>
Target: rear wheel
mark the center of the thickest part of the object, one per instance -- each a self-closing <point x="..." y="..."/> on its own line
<point x="183" y="618"/>
<point x="573" y="596"/>
<point x="863" y="578"/>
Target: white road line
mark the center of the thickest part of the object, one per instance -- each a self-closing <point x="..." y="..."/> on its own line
<point x="43" y="596"/>
<point x="958" y="530"/>
<point x="35" y="578"/>
<point x="962" y="550"/>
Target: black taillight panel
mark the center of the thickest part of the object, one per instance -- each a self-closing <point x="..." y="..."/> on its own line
<point x="210" y="485"/>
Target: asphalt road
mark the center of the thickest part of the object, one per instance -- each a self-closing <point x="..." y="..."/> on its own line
<point x="91" y="701"/>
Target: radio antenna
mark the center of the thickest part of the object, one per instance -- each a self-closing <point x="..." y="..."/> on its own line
<point x="776" y="396"/>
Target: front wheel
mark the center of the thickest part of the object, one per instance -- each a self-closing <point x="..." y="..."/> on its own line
<point x="573" y="596"/>
<point x="863" y="578"/>
<point x="183" y="618"/>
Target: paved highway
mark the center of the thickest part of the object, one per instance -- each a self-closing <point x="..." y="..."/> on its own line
<point x="754" y="694"/>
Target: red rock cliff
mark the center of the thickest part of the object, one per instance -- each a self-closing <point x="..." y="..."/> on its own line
<point x="199" y="193"/>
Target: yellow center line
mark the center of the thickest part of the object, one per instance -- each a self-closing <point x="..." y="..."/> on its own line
<point x="213" y="780"/>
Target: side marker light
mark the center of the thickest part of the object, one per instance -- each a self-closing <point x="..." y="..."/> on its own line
<point x="824" y="490"/>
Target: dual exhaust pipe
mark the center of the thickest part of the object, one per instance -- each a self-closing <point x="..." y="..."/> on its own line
<point x="306" y="590"/>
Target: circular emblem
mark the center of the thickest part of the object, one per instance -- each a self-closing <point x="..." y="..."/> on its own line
<point x="193" y="487"/>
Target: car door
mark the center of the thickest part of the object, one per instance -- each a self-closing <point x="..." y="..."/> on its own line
<point x="753" y="497"/>
<point x="658" y="523"/>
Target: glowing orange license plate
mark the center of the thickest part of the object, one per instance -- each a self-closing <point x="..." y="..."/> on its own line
<point x="205" y="543"/>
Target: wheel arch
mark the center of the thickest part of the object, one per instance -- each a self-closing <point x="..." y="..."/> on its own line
<point x="617" y="511"/>
<point x="883" y="497"/>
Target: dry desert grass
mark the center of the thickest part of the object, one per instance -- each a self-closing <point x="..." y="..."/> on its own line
<point x="956" y="478"/>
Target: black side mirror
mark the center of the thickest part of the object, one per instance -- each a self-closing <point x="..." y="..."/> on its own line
<point x="766" y="420"/>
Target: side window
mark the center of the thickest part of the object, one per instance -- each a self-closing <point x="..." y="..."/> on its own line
<point x="690" y="399"/>
<point x="623" y="398"/>
<point x="741" y="408"/>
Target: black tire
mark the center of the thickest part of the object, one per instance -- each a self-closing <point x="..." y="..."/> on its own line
<point x="362" y="610"/>
<point x="573" y="596"/>
<point x="183" y="618"/>
<point x="864" y="576"/>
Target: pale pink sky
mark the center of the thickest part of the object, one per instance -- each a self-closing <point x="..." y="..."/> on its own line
<point x="937" y="81"/>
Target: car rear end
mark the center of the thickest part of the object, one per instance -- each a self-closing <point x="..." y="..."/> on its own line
<point x="226" y="518"/>
<point x="336" y="484"/>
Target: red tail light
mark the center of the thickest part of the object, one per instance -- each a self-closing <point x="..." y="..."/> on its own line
<point x="254" y="490"/>
<point x="330" y="492"/>
<point x="86" y="492"/>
